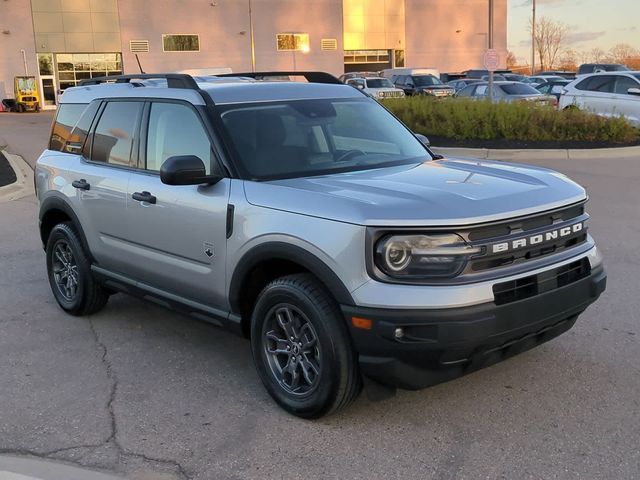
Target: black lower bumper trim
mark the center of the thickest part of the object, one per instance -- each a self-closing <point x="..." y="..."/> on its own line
<point x="439" y="345"/>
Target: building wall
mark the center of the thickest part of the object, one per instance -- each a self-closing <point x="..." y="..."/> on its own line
<point x="452" y="36"/>
<point x="76" y="26"/>
<point x="224" y="32"/>
<point x="16" y="33"/>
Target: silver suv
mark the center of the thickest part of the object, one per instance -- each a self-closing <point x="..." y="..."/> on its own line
<point x="307" y="218"/>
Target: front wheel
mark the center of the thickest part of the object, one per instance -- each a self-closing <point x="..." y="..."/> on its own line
<point x="302" y="349"/>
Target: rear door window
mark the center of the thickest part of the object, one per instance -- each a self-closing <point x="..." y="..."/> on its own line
<point x="115" y="136"/>
<point x="67" y="116"/>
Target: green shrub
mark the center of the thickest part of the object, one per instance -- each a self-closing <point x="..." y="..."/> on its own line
<point x="465" y="119"/>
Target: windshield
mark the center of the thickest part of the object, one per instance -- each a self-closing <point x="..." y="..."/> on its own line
<point x="379" y="83"/>
<point x="316" y="137"/>
<point x="26" y="83"/>
<point x="519" y="89"/>
<point x="426" y="81"/>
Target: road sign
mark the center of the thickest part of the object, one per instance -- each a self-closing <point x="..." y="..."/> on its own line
<point x="491" y="60"/>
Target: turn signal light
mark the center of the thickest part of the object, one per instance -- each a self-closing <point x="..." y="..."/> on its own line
<point x="362" y="323"/>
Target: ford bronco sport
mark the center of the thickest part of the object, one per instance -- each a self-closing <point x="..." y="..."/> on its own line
<point x="306" y="217"/>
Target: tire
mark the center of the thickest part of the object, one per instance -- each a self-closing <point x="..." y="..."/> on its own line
<point x="69" y="272"/>
<point x="20" y="108"/>
<point x="317" y="373"/>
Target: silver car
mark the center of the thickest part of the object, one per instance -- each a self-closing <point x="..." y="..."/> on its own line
<point x="507" y="92"/>
<point x="307" y="218"/>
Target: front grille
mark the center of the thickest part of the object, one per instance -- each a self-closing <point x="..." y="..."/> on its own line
<point x="536" y="228"/>
<point x="522" y="288"/>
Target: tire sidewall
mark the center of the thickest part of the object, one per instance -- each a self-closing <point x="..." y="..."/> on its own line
<point x="312" y="403"/>
<point x="64" y="232"/>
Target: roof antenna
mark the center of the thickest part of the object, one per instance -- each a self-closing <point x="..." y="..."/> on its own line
<point x="139" y="66"/>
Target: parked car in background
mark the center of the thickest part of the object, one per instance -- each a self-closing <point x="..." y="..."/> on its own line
<point x="496" y="78"/>
<point x="461" y="83"/>
<point x="479" y="73"/>
<point x="587" y="68"/>
<point x="553" y="87"/>
<point x="507" y="92"/>
<point x="376" y="87"/>
<point x="393" y="73"/>
<point x="423" y="85"/>
<point x="347" y="76"/>
<point x="540" y="79"/>
<point x="560" y="73"/>
<point x="607" y="94"/>
<point x="515" y="77"/>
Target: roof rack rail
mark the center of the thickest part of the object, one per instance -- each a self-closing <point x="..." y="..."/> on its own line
<point x="311" y="77"/>
<point x="174" y="80"/>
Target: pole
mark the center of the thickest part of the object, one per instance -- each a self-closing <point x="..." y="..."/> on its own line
<point x="253" y="40"/>
<point x="24" y="59"/>
<point x="490" y="41"/>
<point x="533" y="39"/>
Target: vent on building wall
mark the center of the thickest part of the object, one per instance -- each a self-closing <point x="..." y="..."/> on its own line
<point x="329" y="44"/>
<point x="139" y="46"/>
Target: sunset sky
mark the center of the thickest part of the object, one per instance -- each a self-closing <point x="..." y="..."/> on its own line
<point x="593" y="23"/>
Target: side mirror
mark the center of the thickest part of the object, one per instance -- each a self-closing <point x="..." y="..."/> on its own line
<point x="633" y="91"/>
<point x="185" y="170"/>
<point x="423" y="139"/>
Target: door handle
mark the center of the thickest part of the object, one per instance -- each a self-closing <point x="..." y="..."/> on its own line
<point x="81" y="184"/>
<point x="144" y="197"/>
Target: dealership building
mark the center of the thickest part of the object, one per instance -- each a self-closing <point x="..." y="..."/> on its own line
<point x="62" y="42"/>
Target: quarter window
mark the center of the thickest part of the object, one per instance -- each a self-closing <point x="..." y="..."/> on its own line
<point x="66" y="118"/>
<point x="113" y="140"/>
<point x="181" y="43"/>
<point x="176" y="129"/>
<point x="624" y="83"/>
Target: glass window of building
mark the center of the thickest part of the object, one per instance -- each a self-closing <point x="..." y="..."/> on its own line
<point x="74" y="67"/>
<point x="181" y="43"/>
<point x="291" y="42"/>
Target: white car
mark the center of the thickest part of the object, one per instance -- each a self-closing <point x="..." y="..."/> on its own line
<point x="607" y="93"/>
<point x="376" y="87"/>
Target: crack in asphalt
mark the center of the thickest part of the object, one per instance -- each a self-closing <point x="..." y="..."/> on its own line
<point x="112" y="439"/>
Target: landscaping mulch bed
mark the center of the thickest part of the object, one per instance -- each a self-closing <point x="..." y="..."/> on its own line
<point x="7" y="175"/>
<point x="518" y="144"/>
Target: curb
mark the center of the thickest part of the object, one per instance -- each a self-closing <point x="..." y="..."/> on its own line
<point x="546" y="154"/>
<point x="23" y="186"/>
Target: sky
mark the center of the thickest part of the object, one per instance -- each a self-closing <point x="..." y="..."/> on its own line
<point x="592" y="23"/>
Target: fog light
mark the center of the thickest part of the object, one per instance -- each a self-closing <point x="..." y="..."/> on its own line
<point x="399" y="333"/>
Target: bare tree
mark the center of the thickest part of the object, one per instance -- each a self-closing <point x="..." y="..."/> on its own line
<point x="549" y="37"/>
<point x="512" y="61"/>
<point x="623" y="52"/>
<point x="598" y="55"/>
<point x="568" y="59"/>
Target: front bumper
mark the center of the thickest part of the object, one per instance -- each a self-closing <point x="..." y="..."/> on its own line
<point x="442" y="344"/>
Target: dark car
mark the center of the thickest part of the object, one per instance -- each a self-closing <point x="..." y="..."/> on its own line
<point x="461" y="83"/>
<point x="553" y="87"/>
<point x="423" y="85"/>
<point x="560" y="73"/>
<point x="601" y="67"/>
<point x="479" y="73"/>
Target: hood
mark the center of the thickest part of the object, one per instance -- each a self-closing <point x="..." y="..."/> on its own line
<point x="443" y="192"/>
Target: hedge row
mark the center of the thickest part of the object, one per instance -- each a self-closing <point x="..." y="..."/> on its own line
<point x="465" y="119"/>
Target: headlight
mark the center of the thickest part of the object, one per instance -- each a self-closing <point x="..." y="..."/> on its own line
<point x="422" y="256"/>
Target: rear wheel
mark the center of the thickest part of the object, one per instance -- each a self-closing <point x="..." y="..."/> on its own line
<point x="20" y="108"/>
<point x="69" y="271"/>
<point x="302" y="349"/>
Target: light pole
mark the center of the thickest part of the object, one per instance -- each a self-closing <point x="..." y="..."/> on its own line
<point x="533" y="39"/>
<point x="24" y="59"/>
<point x="303" y="49"/>
<point x="490" y="39"/>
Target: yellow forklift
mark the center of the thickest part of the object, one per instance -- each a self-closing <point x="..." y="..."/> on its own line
<point x="26" y="95"/>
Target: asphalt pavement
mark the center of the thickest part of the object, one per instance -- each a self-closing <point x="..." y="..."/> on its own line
<point x="149" y="394"/>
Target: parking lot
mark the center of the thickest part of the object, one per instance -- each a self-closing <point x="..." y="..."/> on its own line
<point x="151" y="394"/>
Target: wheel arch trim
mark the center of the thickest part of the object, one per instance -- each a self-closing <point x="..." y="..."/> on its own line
<point x="276" y="250"/>
<point x="57" y="203"/>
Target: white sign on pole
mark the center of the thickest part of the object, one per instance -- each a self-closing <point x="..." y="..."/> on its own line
<point x="492" y="60"/>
